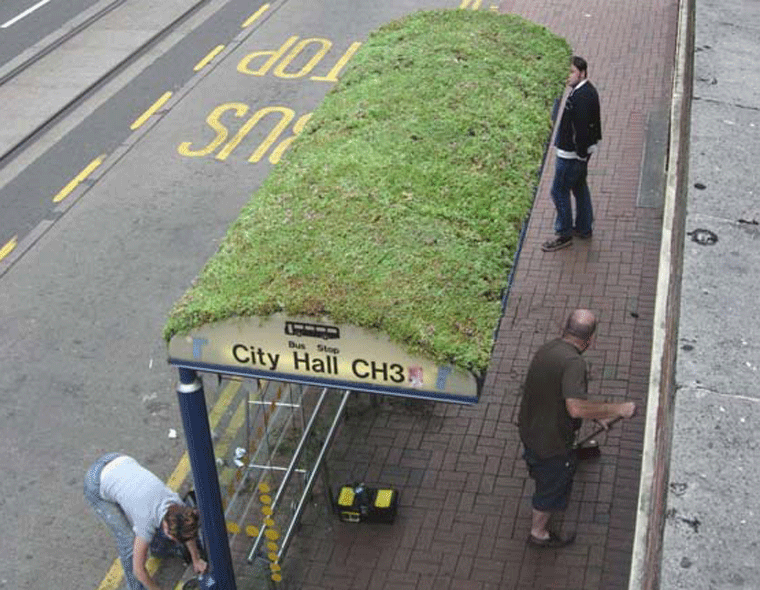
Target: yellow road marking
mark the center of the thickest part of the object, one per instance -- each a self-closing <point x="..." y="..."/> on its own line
<point x="466" y="4"/>
<point x="236" y="423"/>
<point x="211" y="55"/>
<point x="152" y="109"/>
<point x="9" y="246"/>
<point x="115" y="573"/>
<point x="177" y="478"/>
<point x="250" y="20"/>
<point x="332" y="76"/>
<point x="66" y="190"/>
<point x="113" y="577"/>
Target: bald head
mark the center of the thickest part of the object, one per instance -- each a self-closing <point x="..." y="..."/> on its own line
<point x="581" y="325"/>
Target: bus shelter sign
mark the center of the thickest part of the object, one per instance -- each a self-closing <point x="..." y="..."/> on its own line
<point x="318" y="352"/>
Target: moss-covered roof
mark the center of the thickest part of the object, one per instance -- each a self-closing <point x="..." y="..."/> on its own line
<point x="400" y="205"/>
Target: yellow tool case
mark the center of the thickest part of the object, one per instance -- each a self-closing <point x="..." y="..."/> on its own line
<point x="359" y="503"/>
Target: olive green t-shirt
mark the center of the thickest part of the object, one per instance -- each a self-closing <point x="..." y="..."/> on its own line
<point x="557" y="372"/>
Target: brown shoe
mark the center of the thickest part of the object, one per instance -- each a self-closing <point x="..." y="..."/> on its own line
<point x="553" y="542"/>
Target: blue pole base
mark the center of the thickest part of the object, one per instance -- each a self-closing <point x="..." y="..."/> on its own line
<point x="200" y="449"/>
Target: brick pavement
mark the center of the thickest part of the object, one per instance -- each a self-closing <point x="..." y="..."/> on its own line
<point x="465" y="512"/>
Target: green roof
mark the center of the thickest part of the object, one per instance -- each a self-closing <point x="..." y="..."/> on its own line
<point x="399" y="207"/>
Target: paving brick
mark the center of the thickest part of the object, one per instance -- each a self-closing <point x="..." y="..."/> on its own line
<point x="395" y="577"/>
<point x="572" y="561"/>
<point x="446" y="482"/>
<point x="487" y="485"/>
<point x="488" y="504"/>
<point x="465" y="492"/>
<point x="472" y="485"/>
<point x="336" y="580"/>
<point x="575" y="578"/>
<point x="386" y="558"/>
<point x="439" y="582"/>
<point x="424" y="539"/>
<point x="488" y="575"/>
<point x="362" y="579"/>
<point x="423" y="567"/>
<point x="463" y="567"/>
<point x="470" y="463"/>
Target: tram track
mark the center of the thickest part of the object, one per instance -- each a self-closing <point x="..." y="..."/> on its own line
<point x="56" y="39"/>
<point x="40" y="127"/>
<point x="27" y="60"/>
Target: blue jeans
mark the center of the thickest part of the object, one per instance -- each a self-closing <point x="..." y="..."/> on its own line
<point x="113" y="516"/>
<point x="570" y="176"/>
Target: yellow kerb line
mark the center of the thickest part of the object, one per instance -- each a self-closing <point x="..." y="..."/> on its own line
<point x="250" y="20"/>
<point x="223" y="444"/>
<point x="153" y="108"/>
<point x="115" y="573"/>
<point x="466" y="3"/>
<point x="9" y="246"/>
<point x="211" y="55"/>
<point x="67" y="190"/>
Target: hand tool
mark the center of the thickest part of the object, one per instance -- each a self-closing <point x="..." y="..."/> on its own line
<point x="592" y="451"/>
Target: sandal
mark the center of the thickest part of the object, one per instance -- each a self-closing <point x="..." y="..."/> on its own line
<point x="553" y="542"/>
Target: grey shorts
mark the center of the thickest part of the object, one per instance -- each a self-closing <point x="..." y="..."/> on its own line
<point x="554" y="479"/>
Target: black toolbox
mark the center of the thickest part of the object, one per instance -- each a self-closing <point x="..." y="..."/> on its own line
<point x="360" y="503"/>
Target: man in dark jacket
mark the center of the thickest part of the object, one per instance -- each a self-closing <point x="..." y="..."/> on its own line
<point x="553" y="403"/>
<point x="580" y="129"/>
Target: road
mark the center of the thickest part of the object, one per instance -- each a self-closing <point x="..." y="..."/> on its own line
<point x="23" y="23"/>
<point x="82" y="360"/>
<point x="108" y="126"/>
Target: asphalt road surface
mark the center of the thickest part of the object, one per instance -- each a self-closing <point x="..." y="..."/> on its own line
<point x="82" y="360"/>
<point x="24" y="22"/>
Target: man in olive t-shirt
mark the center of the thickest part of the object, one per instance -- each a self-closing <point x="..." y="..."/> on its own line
<point x="552" y="406"/>
<point x="558" y="372"/>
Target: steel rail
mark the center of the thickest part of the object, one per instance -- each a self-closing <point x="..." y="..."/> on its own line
<point x="114" y="71"/>
<point x="54" y="40"/>
<point x="313" y="476"/>
<point x="274" y="419"/>
<point x="291" y="468"/>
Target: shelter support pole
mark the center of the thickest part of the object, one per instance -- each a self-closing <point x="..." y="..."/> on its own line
<point x="192" y="405"/>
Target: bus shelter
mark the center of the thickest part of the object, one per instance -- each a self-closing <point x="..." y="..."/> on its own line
<point x="374" y="259"/>
<point x="297" y="373"/>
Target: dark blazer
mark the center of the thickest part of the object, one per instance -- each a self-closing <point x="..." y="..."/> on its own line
<point x="580" y="126"/>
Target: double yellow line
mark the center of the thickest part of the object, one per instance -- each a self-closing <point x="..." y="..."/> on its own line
<point x="115" y="573"/>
